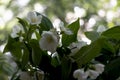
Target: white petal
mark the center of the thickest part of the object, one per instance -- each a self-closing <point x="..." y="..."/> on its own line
<point x="14" y="35"/>
<point x="99" y="68"/>
<point x="49" y="41"/>
<point x="75" y="47"/>
<point x="65" y="30"/>
<point x="101" y="29"/>
<point x="93" y="74"/>
<point x="39" y="75"/>
<point x="33" y="18"/>
<point x="68" y="31"/>
<point x="61" y="24"/>
<point x="78" y="73"/>
<point x="16" y="29"/>
<point x="31" y="15"/>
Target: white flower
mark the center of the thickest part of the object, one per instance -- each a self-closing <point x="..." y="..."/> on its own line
<point x="33" y="18"/>
<point x="15" y="30"/>
<point x="65" y="30"/>
<point x="75" y="47"/>
<point x="25" y="76"/>
<point x="49" y="41"/>
<point x="80" y="74"/>
<point x="99" y="68"/>
<point x="93" y="74"/>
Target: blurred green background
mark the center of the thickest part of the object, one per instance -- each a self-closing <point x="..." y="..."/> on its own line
<point x="92" y="13"/>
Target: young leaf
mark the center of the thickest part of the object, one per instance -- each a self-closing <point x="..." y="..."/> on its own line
<point x="67" y="39"/>
<point x="45" y="24"/>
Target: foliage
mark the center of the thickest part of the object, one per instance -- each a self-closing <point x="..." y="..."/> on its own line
<point x="33" y="57"/>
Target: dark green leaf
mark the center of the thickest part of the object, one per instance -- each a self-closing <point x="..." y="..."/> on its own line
<point x="30" y="32"/>
<point x="54" y="62"/>
<point x="113" y="33"/>
<point x="25" y="56"/>
<point x="14" y="47"/>
<point x="87" y="53"/>
<point x="66" y="68"/>
<point x="67" y="39"/>
<point x="23" y="23"/>
<point x="108" y="46"/>
<point x="36" y="51"/>
<point x="45" y="24"/>
<point x="112" y="70"/>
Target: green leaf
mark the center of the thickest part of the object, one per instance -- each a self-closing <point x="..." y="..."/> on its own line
<point x="14" y="47"/>
<point x="25" y="56"/>
<point x="31" y="30"/>
<point x="108" y="46"/>
<point x="113" y="33"/>
<point x="67" y="39"/>
<point x="36" y="52"/>
<point x="92" y="35"/>
<point x="89" y="52"/>
<point x="23" y="23"/>
<point x="45" y="24"/>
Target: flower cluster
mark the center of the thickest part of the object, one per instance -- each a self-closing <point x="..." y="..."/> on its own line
<point x="43" y="52"/>
<point x="49" y="39"/>
<point x="80" y="74"/>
